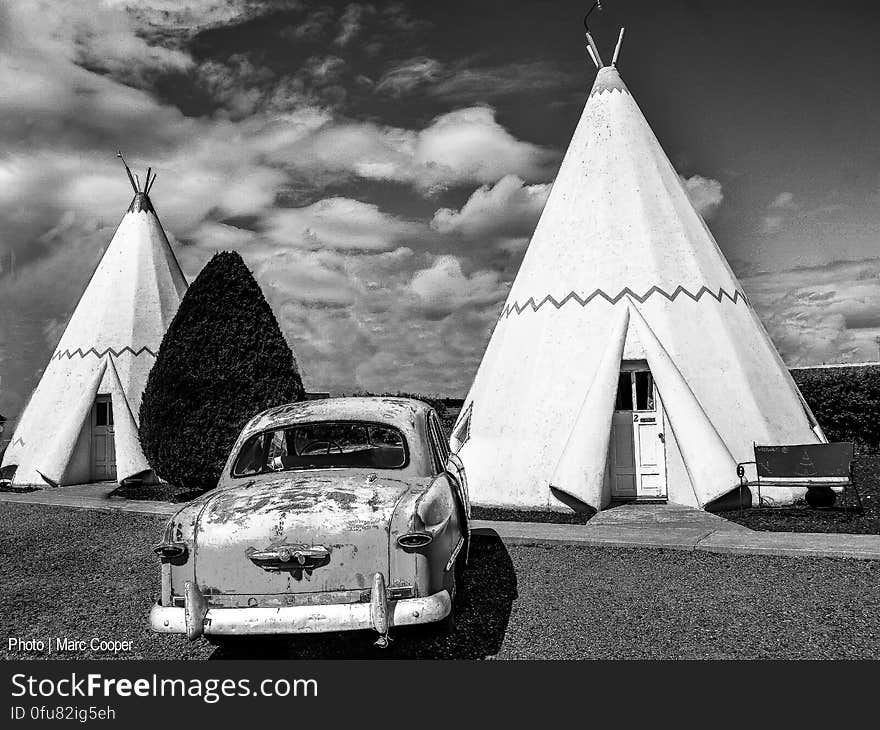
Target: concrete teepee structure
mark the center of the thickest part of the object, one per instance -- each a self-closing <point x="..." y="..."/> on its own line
<point x="627" y="362"/>
<point x="81" y="423"/>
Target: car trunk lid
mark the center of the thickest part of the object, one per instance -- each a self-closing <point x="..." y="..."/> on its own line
<point x="300" y="533"/>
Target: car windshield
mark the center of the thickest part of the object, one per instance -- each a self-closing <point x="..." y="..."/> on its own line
<point x="322" y="446"/>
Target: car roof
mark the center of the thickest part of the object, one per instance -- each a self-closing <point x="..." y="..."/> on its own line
<point x="402" y="413"/>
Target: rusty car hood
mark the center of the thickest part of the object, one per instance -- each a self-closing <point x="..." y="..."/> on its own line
<point x="346" y="511"/>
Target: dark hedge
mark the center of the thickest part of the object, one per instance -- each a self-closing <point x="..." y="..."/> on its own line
<point x="845" y="401"/>
<point x="222" y="361"/>
<point x="447" y="408"/>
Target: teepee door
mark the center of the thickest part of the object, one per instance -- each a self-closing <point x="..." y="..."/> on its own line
<point x="638" y="453"/>
<point x="103" y="443"/>
<point x="649" y="437"/>
<point x="623" y="463"/>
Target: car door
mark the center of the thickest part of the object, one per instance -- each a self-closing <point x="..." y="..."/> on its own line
<point x="452" y="466"/>
<point x="456" y="470"/>
<point x="448" y="462"/>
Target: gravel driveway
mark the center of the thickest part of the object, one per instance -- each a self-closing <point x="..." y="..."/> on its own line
<point x="83" y="574"/>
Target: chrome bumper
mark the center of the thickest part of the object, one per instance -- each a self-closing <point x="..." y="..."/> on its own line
<point x="297" y="619"/>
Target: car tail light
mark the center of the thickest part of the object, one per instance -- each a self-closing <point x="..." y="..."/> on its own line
<point x="413" y="540"/>
<point x="418" y="536"/>
<point x="171" y="550"/>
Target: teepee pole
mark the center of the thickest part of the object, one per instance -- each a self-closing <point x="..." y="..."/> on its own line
<point x="127" y="172"/>
<point x="592" y="49"/>
<point x="617" y="48"/>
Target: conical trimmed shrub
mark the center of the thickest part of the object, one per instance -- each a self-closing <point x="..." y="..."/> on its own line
<point x="222" y="361"/>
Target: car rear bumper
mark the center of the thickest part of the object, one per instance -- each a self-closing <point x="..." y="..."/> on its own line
<point x="298" y="619"/>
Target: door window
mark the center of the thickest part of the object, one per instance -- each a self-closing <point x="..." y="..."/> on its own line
<point x="103" y="413"/>
<point x="635" y="388"/>
<point x="644" y="391"/>
<point x="624" y="400"/>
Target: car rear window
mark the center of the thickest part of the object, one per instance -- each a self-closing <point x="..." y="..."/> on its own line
<point x="324" y="445"/>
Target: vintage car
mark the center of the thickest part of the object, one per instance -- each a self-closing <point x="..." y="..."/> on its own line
<point x="330" y="515"/>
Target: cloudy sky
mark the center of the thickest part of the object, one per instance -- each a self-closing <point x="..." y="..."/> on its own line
<point x="381" y="166"/>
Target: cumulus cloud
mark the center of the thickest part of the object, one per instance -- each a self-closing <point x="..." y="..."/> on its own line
<point x="343" y="316"/>
<point x="443" y="288"/>
<point x="508" y="210"/>
<point x="469" y="145"/>
<point x="306" y="278"/>
<point x="339" y="223"/>
<point x="705" y="193"/>
<point x="459" y="147"/>
<point x="821" y="314"/>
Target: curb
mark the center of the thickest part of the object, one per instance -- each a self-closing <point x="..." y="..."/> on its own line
<point x="795" y="544"/>
<point x="100" y="504"/>
<point x="538" y="534"/>
<point x="726" y="541"/>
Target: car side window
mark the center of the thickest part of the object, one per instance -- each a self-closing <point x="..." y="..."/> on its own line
<point x="436" y="453"/>
<point x="441" y="439"/>
<point x="439" y="448"/>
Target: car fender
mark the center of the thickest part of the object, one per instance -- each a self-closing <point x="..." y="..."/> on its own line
<point x="455" y="469"/>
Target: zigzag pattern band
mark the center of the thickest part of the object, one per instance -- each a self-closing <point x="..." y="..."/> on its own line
<point x="516" y="308"/>
<point x="70" y="354"/>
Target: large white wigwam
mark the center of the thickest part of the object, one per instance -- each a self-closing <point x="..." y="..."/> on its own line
<point x="81" y="422"/>
<point x="627" y="361"/>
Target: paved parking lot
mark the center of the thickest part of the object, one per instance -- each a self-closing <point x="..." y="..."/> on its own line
<point x="83" y="574"/>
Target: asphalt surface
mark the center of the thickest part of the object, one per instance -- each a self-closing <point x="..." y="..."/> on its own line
<point x="84" y="574"/>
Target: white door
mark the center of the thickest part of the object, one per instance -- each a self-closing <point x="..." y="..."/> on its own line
<point x="638" y="449"/>
<point x="103" y="442"/>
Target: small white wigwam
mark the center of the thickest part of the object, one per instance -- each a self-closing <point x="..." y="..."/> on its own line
<point x="81" y="422"/>
<point x="627" y="362"/>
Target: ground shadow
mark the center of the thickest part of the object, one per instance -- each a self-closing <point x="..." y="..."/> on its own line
<point x="482" y="611"/>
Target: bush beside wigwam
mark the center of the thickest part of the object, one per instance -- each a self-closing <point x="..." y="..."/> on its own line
<point x="222" y="361"/>
<point x="845" y="401"/>
<point x="447" y="408"/>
